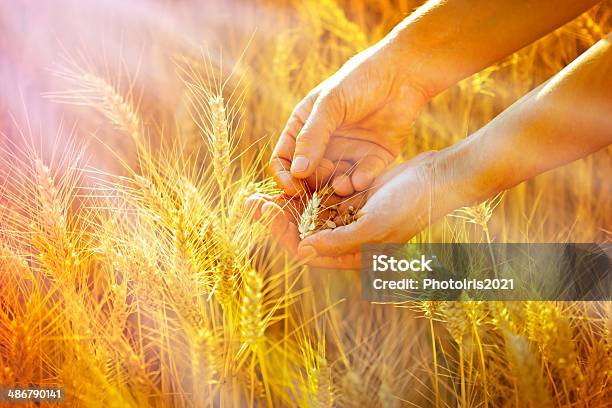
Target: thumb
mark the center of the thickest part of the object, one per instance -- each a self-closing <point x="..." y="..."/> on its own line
<point x="342" y="240"/>
<point x="312" y="140"/>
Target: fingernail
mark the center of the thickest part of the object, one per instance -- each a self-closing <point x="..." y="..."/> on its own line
<point x="299" y="164"/>
<point x="307" y="252"/>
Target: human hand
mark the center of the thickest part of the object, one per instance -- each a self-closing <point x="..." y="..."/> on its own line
<point x="282" y="214"/>
<point x="351" y="127"/>
<point x="399" y="205"/>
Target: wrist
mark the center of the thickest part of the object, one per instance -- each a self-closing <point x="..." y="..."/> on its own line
<point x="406" y="63"/>
<point x="466" y="175"/>
<point x="419" y="52"/>
<point x="442" y="189"/>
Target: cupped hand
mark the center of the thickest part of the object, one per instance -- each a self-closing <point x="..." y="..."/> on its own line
<point x="400" y="204"/>
<point x="351" y="127"/>
<point x="281" y="213"/>
<point x="394" y="209"/>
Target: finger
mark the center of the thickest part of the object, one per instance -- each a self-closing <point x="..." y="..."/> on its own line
<point x="275" y="218"/>
<point x="291" y="239"/>
<point x="353" y="150"/>
<point x="347" y="261"/>
<point x="366" y="172"/>
<point x="282" y="230"/>
<point x="341" y="168"/>
<point x="342" y="185"/>
<point x="321" y="175"/>
<point x="281" y="158"/>
<point x="311" y="141"/>
<point x="342" y="240"/>
<point x="296" y="120"/>
<point x="254" y="203"/>
<point x="282" y="176"/>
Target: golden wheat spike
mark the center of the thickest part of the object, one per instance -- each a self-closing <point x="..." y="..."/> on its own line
<point x="51" y="213"/>
<point x="219" y="142"/>
<point x="526" y="372"/>
<point x="251" y="311"/>
<point x="308" y="218"/>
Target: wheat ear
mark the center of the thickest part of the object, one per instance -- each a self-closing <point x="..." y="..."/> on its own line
<point x="308" y="219"/>
<point x="52" y="215"/>
<point x="251" y="311"/>
<point x="219" y="141"/>
<point x="105" y="98"/>
<point x="525" y="369"/>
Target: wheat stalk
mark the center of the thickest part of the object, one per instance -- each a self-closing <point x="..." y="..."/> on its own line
<point x="56" y="249"/>
<point x="204" y="364"/>
<point x="219" y="142"/>
<point x="152" y="196"/>
<point x="325" y="390"/>
<point x="94" y="91"/>
<point x="316" y="378"/>
<point x="52" y="215"/>
<point x="526" y="373"/>
<point x="251" y="310"/>
<point x="183" y="225"/>
<point x="595" y="388"/>
<point x="352" y="386"/>
<point x="385" y="391"/>
<point x="550" y="328"/>
<point x="116" y="108"/>
<point x="456" y="319"/>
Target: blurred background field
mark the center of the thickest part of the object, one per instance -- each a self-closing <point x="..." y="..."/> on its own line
<point x="131" y="133"/>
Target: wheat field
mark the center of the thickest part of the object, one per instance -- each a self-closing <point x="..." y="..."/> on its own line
<point x="131" y="134"/>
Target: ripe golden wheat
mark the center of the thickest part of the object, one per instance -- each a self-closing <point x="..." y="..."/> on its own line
<point x="151" y="286"/>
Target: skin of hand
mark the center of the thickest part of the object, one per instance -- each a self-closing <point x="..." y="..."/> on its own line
<point x="566" y="118"/>
<point x="352" y="126"/>
<point x="388" y="215"/>
<point x="535" y="134"/>
<point x="281" y="213"/>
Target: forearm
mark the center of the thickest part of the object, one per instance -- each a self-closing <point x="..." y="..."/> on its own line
<point x="565" y="119"/>
<point x="445" y="41"/>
